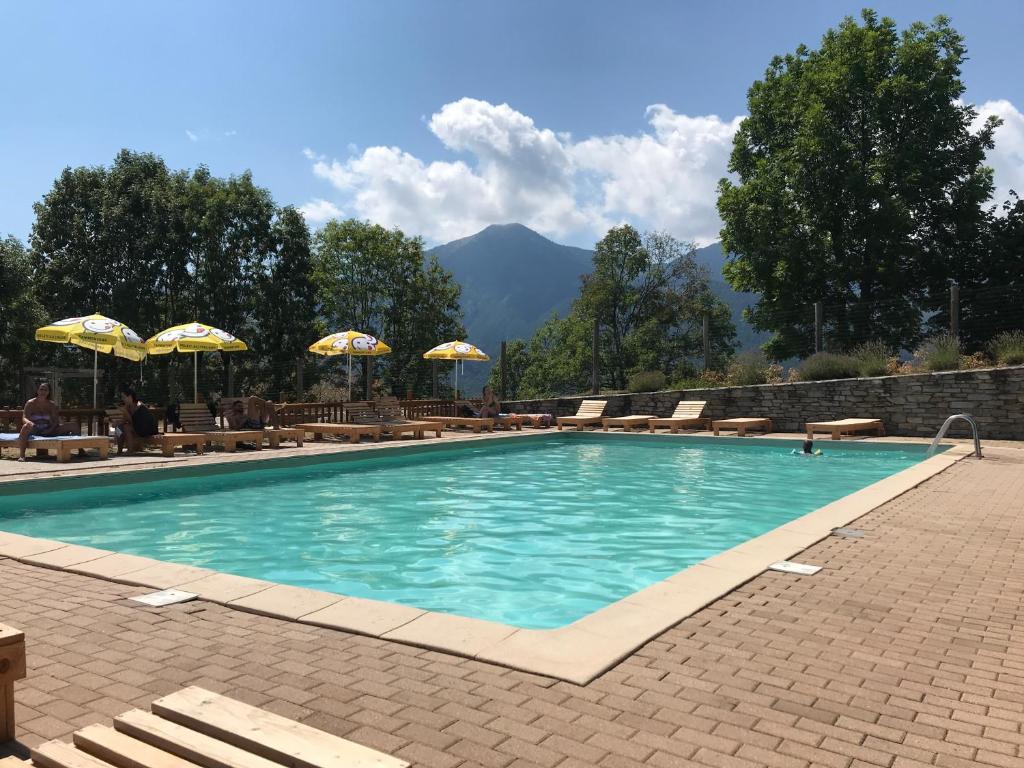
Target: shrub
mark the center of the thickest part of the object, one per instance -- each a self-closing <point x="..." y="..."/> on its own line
<point x="646" y="381"/>
<point x="1008" y="348"/>
<point x="939" y="353"/>
<point x="872" y="358"/>
<point x="747" y="368"/>
<point x="828" y="365"/>
<point x="975" y="361"/>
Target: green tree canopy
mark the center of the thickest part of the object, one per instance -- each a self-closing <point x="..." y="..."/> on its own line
<point x="20" y="314"/>
<point x="377" y="280"/>
<point x="859" y="183"/>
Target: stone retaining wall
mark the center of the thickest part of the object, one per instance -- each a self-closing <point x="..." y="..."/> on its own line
<point x="914" y="405"/>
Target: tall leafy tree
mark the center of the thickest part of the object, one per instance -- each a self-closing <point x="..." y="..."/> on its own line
<point x="377" y="280"/>
<point x="20" y="314"/>
<point x="859" y="183"/>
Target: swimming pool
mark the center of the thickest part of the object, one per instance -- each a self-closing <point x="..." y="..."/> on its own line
<point x="534" y="532"/>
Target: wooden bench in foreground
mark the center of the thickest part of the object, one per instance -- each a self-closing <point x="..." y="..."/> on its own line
<point x="741" y="425"/>
<point x="194" y="727"/>
<point x="167" y="442"/>
<point x="197" y="419"/>
<point x="65" y="445"/>
<point x="354" y="432"/>
<point x="12" y="667"/>
<point x="276" y="436"/>
<point x="472" y="422"/>
<point x="628" y="423"/>
<point x="847" y="426"/>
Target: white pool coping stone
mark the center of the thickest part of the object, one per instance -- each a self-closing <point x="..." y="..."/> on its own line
<point x="577" y="652"/>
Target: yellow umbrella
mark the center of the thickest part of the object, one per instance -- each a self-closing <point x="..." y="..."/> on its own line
<point x="98" y="333"/>
<point x="194" y="338"/>
<point x="456" y="350"/>
<point x="350" y="343"/>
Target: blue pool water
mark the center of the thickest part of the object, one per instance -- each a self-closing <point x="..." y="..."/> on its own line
<point x="535" y="534"/>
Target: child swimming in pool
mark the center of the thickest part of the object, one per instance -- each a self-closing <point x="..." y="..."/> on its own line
<point x="808" y="450"/>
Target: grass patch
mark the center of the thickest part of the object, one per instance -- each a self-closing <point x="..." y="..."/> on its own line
<point x="939" y="353"/>
<point x="872" y="358"/>
<point x="827" y="365"/>
<point x="748" y="368"/>
<point x="1008" y="348"/>
<point x="646" y="381"/>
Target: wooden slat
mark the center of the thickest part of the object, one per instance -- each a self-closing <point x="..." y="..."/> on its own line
<point x="196" y="417"/>
<point x="689" y="408"/>
<point x="12" y="762"/>
<point x="60" y="754"/>
<point x="265" y="733"/>
<point x="123" y="751"/>
<point x="186" y="743"/>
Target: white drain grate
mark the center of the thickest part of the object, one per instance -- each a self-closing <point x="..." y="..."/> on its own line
<point x="166" y="597"/>
<point x="802" y="569"/>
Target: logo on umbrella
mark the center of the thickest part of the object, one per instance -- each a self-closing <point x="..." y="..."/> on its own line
<point x="222" y="335"/>
<point x="99" y="326"/>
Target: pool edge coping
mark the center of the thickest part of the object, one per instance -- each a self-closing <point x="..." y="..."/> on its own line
<point x="577" y="653"/>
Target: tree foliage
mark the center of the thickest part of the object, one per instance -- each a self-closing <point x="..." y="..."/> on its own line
<point x="20" y="314"/>
<point x="859" y="183"/>
<point x="378" y="281"/>
<point x="649" y="297"/>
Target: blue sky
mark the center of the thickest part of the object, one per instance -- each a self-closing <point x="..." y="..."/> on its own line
<point x="393" y="110"/>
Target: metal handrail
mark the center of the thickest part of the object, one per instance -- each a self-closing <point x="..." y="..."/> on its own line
<point x="945" y="427"/>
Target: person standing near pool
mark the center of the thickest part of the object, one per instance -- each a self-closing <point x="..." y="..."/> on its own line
<point x="137" y="422"/>
<point x="41" y="418"/>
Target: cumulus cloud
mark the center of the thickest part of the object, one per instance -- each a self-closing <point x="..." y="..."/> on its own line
<point x="505" y="168"/>
<point x="319" y="210"/>
<point x="192" y="135"/>
<point x="1007" y="159"/>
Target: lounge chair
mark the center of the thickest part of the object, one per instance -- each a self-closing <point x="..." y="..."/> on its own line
<point x="847" y="426"/>
<point x="12" y="667"/>
<point x="196" y="418"/>
<point x="65" y="445"/>
<point x="688" y="413"/>
<point x="196" y="727"/>
<point x="628" y="423"/>
<point x="396" y="427"/>
<point x="391" y="417"/>
<point x="590" y="412"/>
<point x="167" y="442"/>
<point x="354" y="432"/>
<point x="475" y="423"/>
<point x="509" y="421"/>
<point x="741" y="425"/>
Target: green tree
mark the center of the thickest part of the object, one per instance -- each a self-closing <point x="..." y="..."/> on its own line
<point x="859" y="183"/>
<point x="20" y="315"/>
<point x="378" y="281"/>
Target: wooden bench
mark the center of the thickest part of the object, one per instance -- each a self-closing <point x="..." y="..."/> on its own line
<point x="742" y="425"/>
<point x="167" y="442"/>
<point x="65" y="446"/>
<point x="194" y="727"/>
<point x="354" y="432"/>
<point x="471" y="422"/>
<point x="590" y="412"/>
<point x="688" y="413"/>
<point x="628" y="423"/>
<point x="12" y="667"/>
<point x="845" y="426"/>
<point x="196" y="418"/>
<point x="393" y="421"/>
<point x="275" y="436"/>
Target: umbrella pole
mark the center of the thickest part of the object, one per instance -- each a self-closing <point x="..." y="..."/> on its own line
<point x="195" y="377"/>
<point x="94" y="377"/>
<point x="349" y="378"/>
<point x="456" y="380"/>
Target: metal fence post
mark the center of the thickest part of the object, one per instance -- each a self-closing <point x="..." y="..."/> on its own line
<point x="819" y="313"/>
<point x="300" y="390"/>
<point x="433" y="379"/>
<point x="954" y="309"/>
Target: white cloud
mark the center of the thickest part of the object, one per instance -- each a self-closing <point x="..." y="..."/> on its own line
<point x="192" y="136"/>
<point x="510" y="169"/>
<point x="1007" y="159"/>
<point x="318" y="211"/>
<point x="229" y="134"/>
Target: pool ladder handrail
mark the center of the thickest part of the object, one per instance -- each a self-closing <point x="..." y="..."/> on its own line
<point x="945" y="428"/>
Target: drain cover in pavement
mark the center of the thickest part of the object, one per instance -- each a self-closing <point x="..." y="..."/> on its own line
<point x="848" y="533"/>
<point x="799" y="568"/>
<point x="166" y="597"/>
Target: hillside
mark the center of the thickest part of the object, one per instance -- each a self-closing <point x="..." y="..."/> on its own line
<point x="513" y="279"/>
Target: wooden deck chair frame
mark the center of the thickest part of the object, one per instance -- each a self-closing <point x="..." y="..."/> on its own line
<point x="590" y="412"/>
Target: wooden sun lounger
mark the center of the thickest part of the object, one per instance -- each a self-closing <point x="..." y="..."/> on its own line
<point x="510" y="422"/>
<point x="196" y="727"/>
<point x="276" y="436"/>
<point x="167" y="442"/>
<point x="390" y="421"/>
<point x="196" y="418"/>
<point x="628" y="423"/>
<point x="65" y="445"/>
<point x="590" y="412"/>
<point x="742" y="425"/>
<point x="12" y="667"/>
<point x="354" y="432"/>
<point x="848" y="426"/>
<point x="472" y="422"/>
<point x="688" y="413"/>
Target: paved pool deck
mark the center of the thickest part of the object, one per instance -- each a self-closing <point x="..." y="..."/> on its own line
<point x="906" y="649"/>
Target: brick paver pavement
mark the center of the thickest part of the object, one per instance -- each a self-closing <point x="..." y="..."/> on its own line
<point x="906" y="650"/>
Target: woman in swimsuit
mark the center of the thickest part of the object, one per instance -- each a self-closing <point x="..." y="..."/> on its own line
<point x="490" y="407"/>
<point x="41" y="419"/>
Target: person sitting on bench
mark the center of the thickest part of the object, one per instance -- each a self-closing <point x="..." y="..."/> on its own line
<point x="137" y="420"/>
<point x="252" y="413"/>
<point x="42" y="419"/>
